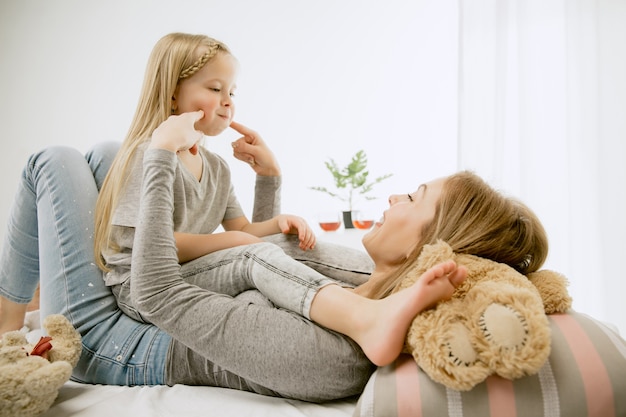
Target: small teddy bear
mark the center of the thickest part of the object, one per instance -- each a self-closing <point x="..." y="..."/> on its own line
<point x="495" y="322"/>
<point x="30" y="376"/>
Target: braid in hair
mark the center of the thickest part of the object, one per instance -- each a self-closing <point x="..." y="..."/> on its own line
<point x="196" y="66"/>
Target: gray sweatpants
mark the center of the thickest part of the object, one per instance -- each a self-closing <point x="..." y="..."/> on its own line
<point x="245" y="342"/>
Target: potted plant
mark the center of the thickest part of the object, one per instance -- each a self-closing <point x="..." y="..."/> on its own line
<point x="351" y="182"/>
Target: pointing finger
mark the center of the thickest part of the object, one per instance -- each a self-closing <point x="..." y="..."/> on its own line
<point x="248" y="133"/>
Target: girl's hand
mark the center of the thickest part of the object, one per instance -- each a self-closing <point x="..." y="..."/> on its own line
<point x="251" y="148"/>
<point x="178" y="133"/>
<point x="294" y="225"/>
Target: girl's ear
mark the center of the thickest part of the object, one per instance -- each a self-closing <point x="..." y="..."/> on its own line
<point x="174" y="106"/>
<point x="174" y="103"/>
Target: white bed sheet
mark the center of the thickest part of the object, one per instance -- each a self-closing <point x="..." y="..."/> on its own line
<point x="82" y="400"/>
<point x="86" y="400"/>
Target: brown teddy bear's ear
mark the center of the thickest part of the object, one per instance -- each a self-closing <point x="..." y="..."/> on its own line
<point x="552" y="287"/>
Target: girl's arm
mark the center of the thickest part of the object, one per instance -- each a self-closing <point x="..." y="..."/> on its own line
<point x="266" y="198"/>
<point x="283" y="223"/>
<point x="239" y="231"/>
<point x="252" y="149"/>
<point x="192" y="246"/>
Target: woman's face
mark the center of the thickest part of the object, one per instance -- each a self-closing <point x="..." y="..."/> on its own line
<point x="211" y="90"/>
<point x="396" y="235"/>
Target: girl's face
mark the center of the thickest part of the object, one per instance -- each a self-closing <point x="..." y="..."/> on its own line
<point x="211" y="90"/>
<point x="396" y="235"/>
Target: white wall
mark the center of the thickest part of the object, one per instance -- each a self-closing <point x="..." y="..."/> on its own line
<point x="319" y="79"/>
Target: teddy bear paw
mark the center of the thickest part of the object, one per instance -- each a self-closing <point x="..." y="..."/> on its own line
<point x="462" y="368"/>
<point x="514" y="345"/>
<point x="503" y="327"/>
<point x="460" y="350"/>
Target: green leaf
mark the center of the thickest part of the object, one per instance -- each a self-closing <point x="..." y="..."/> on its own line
<point x="352" y="177"/>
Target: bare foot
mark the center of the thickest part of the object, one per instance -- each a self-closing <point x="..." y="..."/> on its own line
<point x="387" y="321"/>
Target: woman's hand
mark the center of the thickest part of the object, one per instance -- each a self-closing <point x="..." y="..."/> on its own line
<point x="178" y="133"/>
<point x="294" y="225"/>
<point x="251" y="148"/>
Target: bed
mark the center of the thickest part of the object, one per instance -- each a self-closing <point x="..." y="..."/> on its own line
<point x="584" y="376"/>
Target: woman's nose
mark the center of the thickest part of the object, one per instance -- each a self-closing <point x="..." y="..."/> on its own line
<point x="393" y="199"/>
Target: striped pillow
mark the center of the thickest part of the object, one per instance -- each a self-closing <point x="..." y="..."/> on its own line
<point x="584" y="376"/>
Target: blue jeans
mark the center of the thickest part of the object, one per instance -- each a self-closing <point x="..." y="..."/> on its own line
<point x="50" y="232"/>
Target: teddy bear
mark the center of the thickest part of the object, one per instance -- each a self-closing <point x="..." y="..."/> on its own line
<point x="30" y="376"/>
<point x="495" y="322"/>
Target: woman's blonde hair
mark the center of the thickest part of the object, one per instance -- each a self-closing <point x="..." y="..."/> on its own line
<point x="475" y="219"/>
<point x="175" y="57"/>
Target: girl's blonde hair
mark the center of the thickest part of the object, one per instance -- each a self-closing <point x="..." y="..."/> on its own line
<point x="175" y="57"/>
<point x="475" y="219"/>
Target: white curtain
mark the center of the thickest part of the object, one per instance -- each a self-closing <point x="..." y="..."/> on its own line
<point x="542" y="116"/>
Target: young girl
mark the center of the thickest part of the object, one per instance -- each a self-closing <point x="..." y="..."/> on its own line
<point x="186" y="73"/>
<point x="200" y="76"/>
